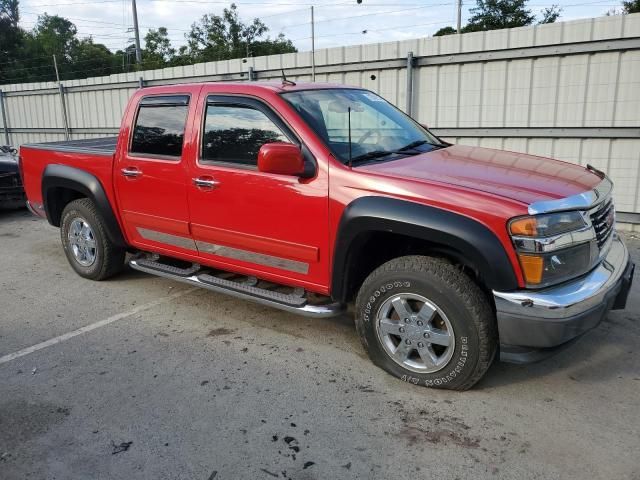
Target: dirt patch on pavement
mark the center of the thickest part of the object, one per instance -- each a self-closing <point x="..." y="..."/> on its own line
<point x="417" y="435"/>
<point x="20" y="421"/>
<point x="217" y="332"/>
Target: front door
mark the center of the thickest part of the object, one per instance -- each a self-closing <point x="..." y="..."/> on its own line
<point x="150" y="177"/>
<point x="249" y="221"/>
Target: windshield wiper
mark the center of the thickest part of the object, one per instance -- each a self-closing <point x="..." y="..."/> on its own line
<point x="417" y="143"/>
<point x="409" y="149"/>
<point x="377" y="154"/>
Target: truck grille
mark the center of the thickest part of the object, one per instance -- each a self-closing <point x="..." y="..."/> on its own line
<point x="603" y="220"/>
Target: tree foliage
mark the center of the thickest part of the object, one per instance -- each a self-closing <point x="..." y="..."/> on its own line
<point x="498" y="14"/>
<point x="631" y="6"/>
<point x="550" y="14"/>
<point x="158" y="51"/>
<point x="27" y="55"/>
<point x="222" y="37"/>
<point x="445" y="31"/>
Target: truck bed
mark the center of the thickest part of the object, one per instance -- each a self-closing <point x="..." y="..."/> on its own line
<point x="95" y="146"/>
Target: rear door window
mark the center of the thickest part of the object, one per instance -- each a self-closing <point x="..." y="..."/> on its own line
<point x="160" y="125"/>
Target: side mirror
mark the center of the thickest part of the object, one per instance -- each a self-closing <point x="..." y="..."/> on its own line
<point x="425" y="126"/>
<point x="281" y="158"/>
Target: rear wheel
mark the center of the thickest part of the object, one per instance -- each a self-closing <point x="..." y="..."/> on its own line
<point x="426" y="322"/>
<point x="87" y="246"/>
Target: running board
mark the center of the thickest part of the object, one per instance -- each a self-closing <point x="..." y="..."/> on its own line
<point x="155" y="265"/>
<point x="288" y="302"/>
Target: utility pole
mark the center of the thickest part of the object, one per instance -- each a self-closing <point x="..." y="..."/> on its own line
<point x="137" y="31"/>
<point x="55" y="65"/>
<point x="313" y="48"/>
<point x="459" y="15"/>
<point x="63" y="104"/>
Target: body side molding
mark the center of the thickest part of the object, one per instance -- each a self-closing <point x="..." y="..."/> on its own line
<point x="473" y="243"/>
<point x="63" y="176"/>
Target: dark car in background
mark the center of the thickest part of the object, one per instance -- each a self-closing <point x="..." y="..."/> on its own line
<point x="11" y="190"/>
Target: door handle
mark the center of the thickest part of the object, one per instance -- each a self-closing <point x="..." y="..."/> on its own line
<point x="205" y="182"/>
<point x="131" y="172"/>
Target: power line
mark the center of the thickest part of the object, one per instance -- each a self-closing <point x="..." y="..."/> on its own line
<point x="364" y="15"/>
<point x="362" y="32"/>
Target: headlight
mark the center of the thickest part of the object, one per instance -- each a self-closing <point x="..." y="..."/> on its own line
<point x="547" y="225"/>
<point x="553" y="248"/>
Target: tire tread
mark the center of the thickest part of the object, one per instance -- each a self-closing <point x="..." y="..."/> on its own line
<point x="470" y="293"/>
<point x="112" y="255"/>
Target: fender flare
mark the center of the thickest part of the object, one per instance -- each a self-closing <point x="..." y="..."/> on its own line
<point x="473" y="243"/>
<point x="63" y="176"/>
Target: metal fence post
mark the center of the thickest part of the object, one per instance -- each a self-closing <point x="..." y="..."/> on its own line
<point x="409" y="108"/>
<point x="65" y="119"/>
<point x="140" y="82"/>
<point x="252" y="74"/>
<point x="7" y="138"/>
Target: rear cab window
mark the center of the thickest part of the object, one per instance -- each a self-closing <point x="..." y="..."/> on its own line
<point x="159" y="126"/>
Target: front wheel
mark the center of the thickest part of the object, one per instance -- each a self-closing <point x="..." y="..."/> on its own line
<point x="88" y="248"/>
<point x="424" y="321"/>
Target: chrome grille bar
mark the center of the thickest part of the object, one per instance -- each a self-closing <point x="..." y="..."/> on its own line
<point x="602" y="222"/>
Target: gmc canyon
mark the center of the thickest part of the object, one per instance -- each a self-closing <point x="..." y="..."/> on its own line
<point x="309" y="197"/>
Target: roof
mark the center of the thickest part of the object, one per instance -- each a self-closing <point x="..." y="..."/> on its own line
<point x="272" y="85"/>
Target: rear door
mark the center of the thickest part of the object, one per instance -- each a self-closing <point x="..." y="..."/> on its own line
<point x="269" y="225"/>
<point x="150" y="176"/>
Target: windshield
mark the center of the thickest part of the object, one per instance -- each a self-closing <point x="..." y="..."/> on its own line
<point x="379" y="131"/>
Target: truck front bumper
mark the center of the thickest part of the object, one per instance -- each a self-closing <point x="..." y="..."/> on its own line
<point x="531" y="322"/>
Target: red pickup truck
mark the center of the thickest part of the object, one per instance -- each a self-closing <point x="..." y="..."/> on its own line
<point x="309" y="197"/>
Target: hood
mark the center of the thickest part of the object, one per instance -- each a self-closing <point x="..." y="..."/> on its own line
<point x="520" y="177"/>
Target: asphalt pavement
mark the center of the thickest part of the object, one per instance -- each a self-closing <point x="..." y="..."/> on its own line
<point x="141" y="377"/>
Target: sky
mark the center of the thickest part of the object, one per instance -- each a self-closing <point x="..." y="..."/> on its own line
<point x="337" y="22"/>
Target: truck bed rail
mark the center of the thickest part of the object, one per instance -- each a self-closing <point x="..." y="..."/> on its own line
<point x="94" y="146"/>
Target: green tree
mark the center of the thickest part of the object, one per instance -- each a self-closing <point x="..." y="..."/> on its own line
<point x="158" y="51"/>
<point x="76" y="58"/>
<point x="27" y="56"/>
<point x="55" y="35"/>
<point x="216" y="37"/>
<point x="497" y="14"/>
<point x="90" y="59"/>
<point x="280" y="44"/>
<point x="445" y="31"/>
<point x="631" y="6"/>
<point x="10" y="38"/>
<point x="550" y="14"/>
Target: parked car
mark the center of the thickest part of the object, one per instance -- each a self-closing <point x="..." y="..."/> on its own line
<point x="308" y="197"/>
<point x="11" y="191"/>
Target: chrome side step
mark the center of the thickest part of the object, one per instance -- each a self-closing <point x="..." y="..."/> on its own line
<point x="290" y="302"/>
<point x="154" y="264"/>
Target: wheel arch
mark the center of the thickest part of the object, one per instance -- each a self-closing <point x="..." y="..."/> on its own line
<point x="62" y="184"/>
<point x="369" y="224"/>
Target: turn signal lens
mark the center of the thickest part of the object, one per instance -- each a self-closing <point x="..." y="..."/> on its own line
<point x="553" y="247"/>
<point x="547" y="225"/>
<point x="532" y="268"/>
<point x="526" y="226"/>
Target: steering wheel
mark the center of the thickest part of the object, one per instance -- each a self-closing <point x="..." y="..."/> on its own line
<point x="367" y="134"/>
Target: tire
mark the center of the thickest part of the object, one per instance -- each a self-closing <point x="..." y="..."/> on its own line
<point x="102" y="259"/>
<point x="453" y="313"/>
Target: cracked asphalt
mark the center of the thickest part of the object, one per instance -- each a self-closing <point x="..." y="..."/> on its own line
<point x="181" y="383"/>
